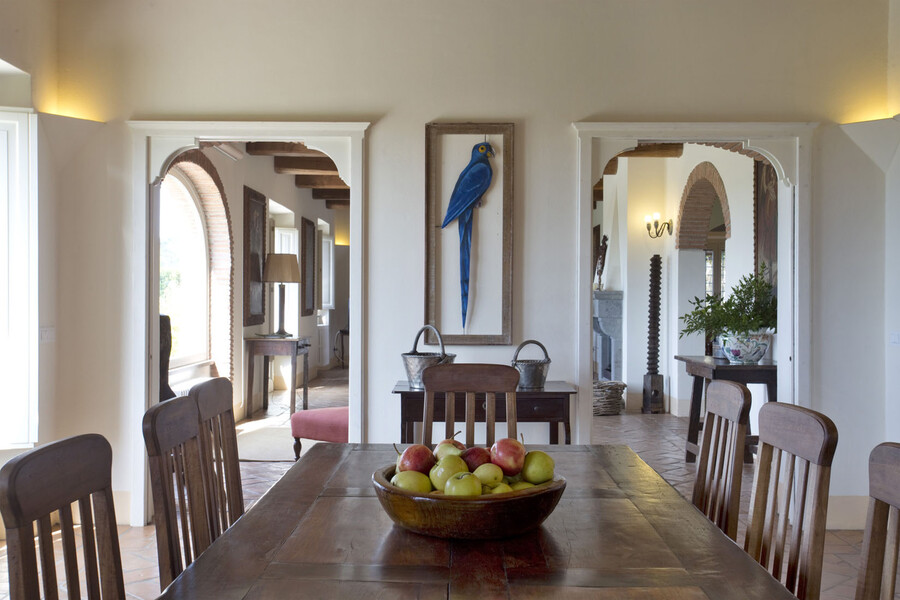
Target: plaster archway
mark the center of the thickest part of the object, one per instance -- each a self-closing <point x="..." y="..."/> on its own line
<point x="787" y="146"/>
<point x="155" y="145"/>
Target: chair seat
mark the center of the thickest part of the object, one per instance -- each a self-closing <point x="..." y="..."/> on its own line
<point x="322" y="424"/>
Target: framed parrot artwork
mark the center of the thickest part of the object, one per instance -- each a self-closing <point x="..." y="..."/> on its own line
<point x="468" y="221"/>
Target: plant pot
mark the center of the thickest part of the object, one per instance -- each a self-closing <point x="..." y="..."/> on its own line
<point x="745" y="348"/>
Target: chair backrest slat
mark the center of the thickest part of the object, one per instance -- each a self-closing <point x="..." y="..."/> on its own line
<point x="218" y="446"/>
<point x="469" y="380"/>
<point x="789" y="502"/>
<point x="47" y="480"/>
<point x="881" y="541"/>
<point x="717" y="489"/>
<point x="171" y="435"/>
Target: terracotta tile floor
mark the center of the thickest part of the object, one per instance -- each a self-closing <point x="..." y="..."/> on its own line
<point x="658" y="439"/>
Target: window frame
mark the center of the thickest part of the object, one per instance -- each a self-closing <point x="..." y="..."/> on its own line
<point x="21" y="233"/>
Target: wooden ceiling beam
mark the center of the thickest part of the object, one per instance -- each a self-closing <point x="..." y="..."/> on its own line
<point x="305" y="165"/>
<point x="667" y="150"/>
<point x="327" y="182"/>
<point x="339" y="204"/>
<point x="281" y="149"/>
<point x="331" y="194"/>
<point x="612" y="167"/>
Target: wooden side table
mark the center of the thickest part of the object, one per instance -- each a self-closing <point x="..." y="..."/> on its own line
<point x="266" y="347"/>
<point x="549" y="405"/>
<point x="707" y="368"/>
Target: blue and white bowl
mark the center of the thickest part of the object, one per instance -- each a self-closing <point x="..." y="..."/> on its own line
<point x="745" y="348"/>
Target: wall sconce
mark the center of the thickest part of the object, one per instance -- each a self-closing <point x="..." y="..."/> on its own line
<point x="655" y="228"/>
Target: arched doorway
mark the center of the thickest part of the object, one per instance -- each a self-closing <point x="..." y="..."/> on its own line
<point x="787" y="147"/>
<point x="155" y="145"/>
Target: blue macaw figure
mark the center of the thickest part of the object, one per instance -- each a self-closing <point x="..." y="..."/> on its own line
<point x="473" y="182"/>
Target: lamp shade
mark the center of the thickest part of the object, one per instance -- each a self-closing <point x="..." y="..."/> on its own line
<point x="282" y="268"/>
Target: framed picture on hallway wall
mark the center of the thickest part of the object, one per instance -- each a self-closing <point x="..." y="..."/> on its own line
<point x="254" y="257"/>
<point x="468" y="272"/>
<point x="307" y="267"/>
<point x="765" y="218"/>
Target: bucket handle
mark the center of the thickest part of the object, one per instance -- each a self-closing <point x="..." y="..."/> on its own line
<point x="418" y="335"/>
<point x="525" y="343"/>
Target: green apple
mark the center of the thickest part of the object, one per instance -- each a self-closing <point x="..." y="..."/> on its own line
<point x="521" y="485"/>
<point x="445" y="468"/>
<point x="501" y="488"/>
<point x="412" y="481"/>
<point x="511" y="479"/>
<point x="538" y="467"/>
<point x="489" y="474"/>
<point x="463" y="484"/>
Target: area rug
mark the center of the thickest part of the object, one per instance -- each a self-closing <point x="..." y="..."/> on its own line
<point x="267" y="444"/>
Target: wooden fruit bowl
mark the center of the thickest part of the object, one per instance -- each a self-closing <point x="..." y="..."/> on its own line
<point x="493" y="516"/>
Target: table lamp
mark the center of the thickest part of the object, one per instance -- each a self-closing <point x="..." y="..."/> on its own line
<point x="281" y="268"/>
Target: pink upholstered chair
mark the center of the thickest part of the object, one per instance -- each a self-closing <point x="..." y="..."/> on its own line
<point x="321" y="424"/>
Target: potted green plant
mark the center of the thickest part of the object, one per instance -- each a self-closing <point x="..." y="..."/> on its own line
<point x="744" y="320"/>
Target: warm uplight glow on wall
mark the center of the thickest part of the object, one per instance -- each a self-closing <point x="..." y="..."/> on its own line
<point x="76" y="110"/>
<point x="341" y="239"/>
<point x="873" y="109"/>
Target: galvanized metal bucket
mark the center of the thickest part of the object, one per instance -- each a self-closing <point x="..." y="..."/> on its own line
<point x="533" y="372"/>
<point x="415" y="362"/>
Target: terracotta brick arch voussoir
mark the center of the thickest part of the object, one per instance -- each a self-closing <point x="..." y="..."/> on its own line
<point x="704" y="187"/>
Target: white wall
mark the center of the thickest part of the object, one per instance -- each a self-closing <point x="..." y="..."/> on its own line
<point x="400" y="65"/>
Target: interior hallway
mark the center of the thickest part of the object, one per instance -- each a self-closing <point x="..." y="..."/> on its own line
<point x="658" y="439"/>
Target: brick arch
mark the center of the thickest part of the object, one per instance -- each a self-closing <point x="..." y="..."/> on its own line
<point x="204" y="178"/>
<point x="704" y="187"/>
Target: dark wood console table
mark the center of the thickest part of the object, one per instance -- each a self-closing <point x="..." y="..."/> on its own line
<point x="266" y="347"/>
<point x="549" y="405"/>
<point x="707" y="368"/>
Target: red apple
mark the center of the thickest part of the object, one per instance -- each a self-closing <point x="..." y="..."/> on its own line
<point x="416" y="458"/>
<point x="475" y="457"/>
<point x="509" y="455"/>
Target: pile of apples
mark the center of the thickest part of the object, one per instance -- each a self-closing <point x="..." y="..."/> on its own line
<point x="455" y="470"/>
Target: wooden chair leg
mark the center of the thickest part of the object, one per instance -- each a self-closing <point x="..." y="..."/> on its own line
<point x="296" y="449"/>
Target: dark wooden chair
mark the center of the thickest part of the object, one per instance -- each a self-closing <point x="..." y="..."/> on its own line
<point x="172" y="437"/>
<point x="469" y="380"/>
<point x="796" y="448"/>
<point x="219" y="454"/>
<point x="717" y="489"/>
<point x="881" y="542"/>
<point x="52" y="478"/>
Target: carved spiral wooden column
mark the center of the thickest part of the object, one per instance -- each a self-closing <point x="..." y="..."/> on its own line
<point x="653" y="381"/>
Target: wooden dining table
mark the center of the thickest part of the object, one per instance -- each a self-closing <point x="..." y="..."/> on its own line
<point x="619" y="531"/>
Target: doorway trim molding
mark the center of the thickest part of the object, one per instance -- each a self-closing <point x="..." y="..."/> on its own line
<point x="788" y="146"/>
<point x="154" y="146"/>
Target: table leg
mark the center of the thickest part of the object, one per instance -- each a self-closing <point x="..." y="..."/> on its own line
<point x="250" y="385"/>
<point x="690" y="454"/>
<point x="293" y="386"/>
<point x="554" y="432"/>
<point x="265" y="382"/>
<point x="306" y="380"/>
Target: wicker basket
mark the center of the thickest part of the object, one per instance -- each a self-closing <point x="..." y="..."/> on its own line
<point x="608" y="397"/>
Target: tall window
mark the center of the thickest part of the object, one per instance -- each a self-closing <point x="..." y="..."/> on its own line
<point x="183" y="271"/>
<point x="18" y="279"/>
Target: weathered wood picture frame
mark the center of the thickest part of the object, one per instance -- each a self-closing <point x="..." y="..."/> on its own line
<point x="448" y="148"/>
<point x="254" y="257"/>
<point x="307" y="267"/>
